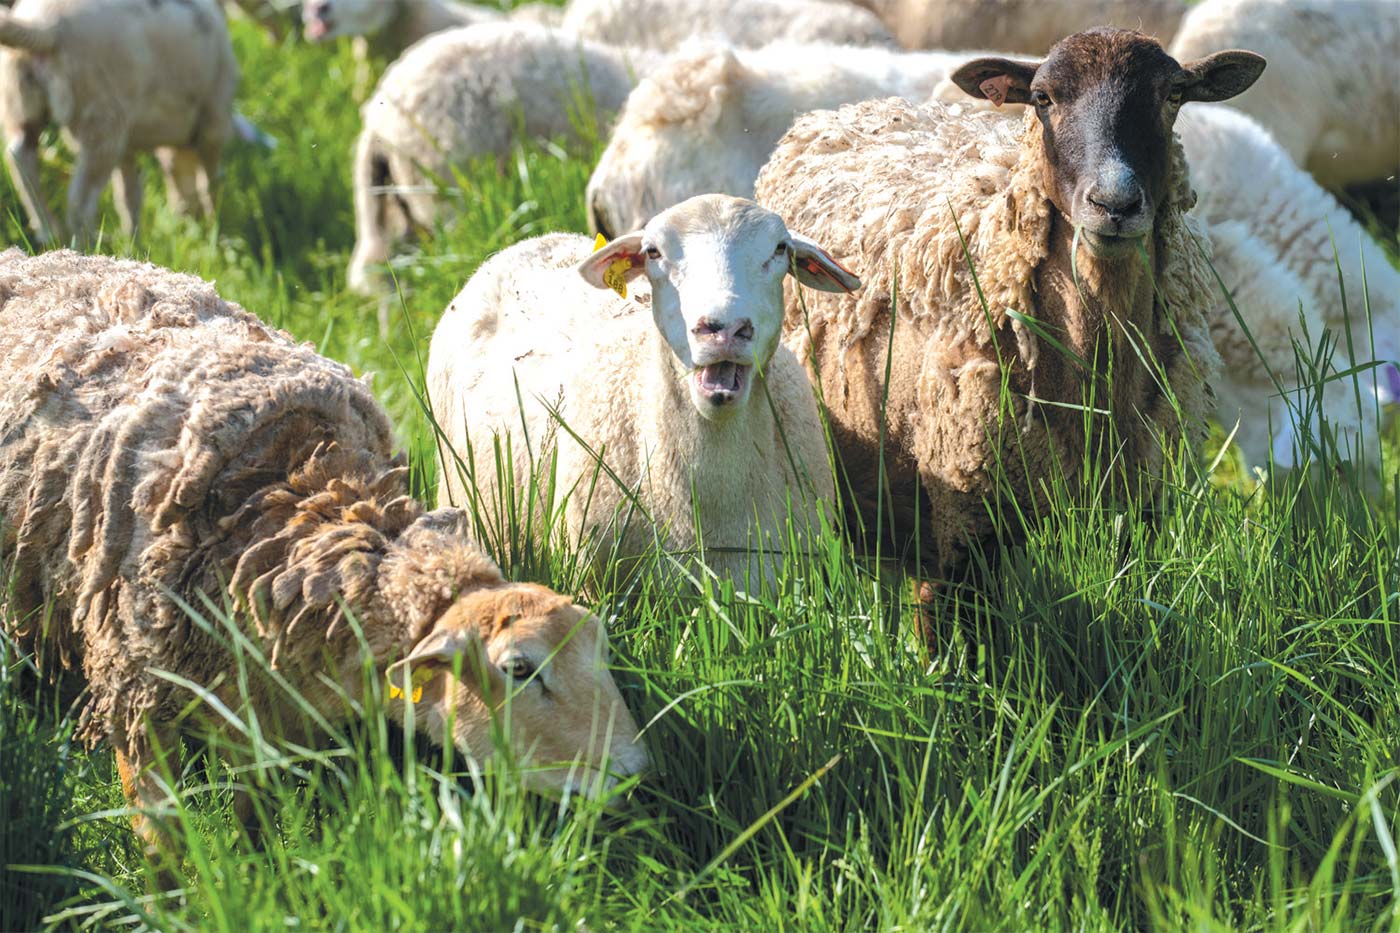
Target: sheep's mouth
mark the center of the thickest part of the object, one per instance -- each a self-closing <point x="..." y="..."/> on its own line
<point x="318" y="28"/>
<point x="722" y="383"/>
<point x="1112" y="244"/>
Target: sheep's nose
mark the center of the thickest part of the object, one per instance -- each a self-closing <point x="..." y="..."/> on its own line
<point x="710" y="329"/>
<point x="1115" y="192"/>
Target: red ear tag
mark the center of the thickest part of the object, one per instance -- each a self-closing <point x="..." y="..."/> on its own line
<point x="995" y="89"/>
<point x="812" y="266"/>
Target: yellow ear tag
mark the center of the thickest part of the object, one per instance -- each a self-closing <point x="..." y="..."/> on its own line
<point x="420" y="677"/>
<point x="599" y="242"/>
<point x="615" y="277"/>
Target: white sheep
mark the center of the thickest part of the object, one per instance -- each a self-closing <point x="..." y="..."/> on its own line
<point x="1022" y="26"/>
<point x="665" y="25"/>
<point x="1331" y="94"/>
<point x="695" y="408"/>
<point x="1084" y="267"/>
<point x="121" y="77"/>
<point x="1273" y="228"/>
<point x="390" y="26"/>
<point x="462" y="94"/>
<point x="706" y="119"/>
<point x="162" y="449"/>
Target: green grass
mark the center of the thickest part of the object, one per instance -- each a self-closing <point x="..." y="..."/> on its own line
<point x="1188" y="719"/>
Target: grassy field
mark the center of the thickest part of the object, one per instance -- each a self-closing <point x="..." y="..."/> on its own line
<point x="1188" y="719"/>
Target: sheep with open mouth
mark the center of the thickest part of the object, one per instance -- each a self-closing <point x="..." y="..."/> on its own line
<point x="696" y="426"/>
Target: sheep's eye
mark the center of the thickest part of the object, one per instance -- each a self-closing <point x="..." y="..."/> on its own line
<point x="782" y="249"/>
<point x="653" y="253"/>
<point x="1176" y="96"/>
<point x="518" y="669"/>
<point x="1040" y="99"/>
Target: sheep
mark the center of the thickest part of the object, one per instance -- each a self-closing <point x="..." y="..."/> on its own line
<point x="272" y="16"/>
<point x="160" y="448"/>
<point x="120" y="76"/>
<point x="696" y="408"/>
<point x="707" y="119"/>
<point x="1078" y="334"/>
<point x="1332" y="97"/>
<point x="1272" y="228"/>
<point x="1021" y="26"/>
<point x="390" y="26"/>
<point x="461" y="94"/>
<point x="666" y="25"/>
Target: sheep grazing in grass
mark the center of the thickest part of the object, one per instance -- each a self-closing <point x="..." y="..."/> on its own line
<point x="1023" y="26"/>
<point x="1332" y="94"/>
<point x="160" y="446"/>
<point x="706" y="120"/>
<point x="665" y="25"/>
<point x="462" y="94"/>
<point x="1273" y="228"/>
<point x="121" y="77"/>
<point x="696" y="408"/>
<point x="390" y="26"/>
<point x="1078" y="334"/>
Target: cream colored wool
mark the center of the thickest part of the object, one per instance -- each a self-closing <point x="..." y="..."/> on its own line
<point x="884" y="181"/>
<point x="665" y="25"/>
<point x="1021" y="26"/>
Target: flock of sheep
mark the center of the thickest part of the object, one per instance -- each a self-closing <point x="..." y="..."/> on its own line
<point x="1010" y="281"/>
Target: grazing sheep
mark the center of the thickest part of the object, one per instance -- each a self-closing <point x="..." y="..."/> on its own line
<point x="1056" y="218"/>
<point x="120" y="76"/>
<point x="696" y="408"/>
<point x="273" y="16"/>
<point x="393" y="25"/>
<point x="665" y="25"/>
<point x="706" y="120"/>
<point x="156" y="442"/>
<point x="1272" y="228"/>
<point x="462" y="94"/>
<point x="1023" y="26"/>
<point x="1331" y="96"/>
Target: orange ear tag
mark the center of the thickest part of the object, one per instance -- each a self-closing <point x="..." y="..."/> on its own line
<point x="995" y="89"/>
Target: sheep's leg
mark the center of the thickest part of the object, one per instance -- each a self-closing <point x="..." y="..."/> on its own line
<point x="22" y="160"/>
<point x="371" y="174"/>
<point x="126" y="182"/>
<point x="207" y="174"/>
<point x="145" y="796"/>
<point x="95" y="165"/>
<point x="178" y="166"/>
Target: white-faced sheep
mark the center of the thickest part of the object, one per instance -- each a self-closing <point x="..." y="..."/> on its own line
<point x="121" y="77"/>
<point x="390" y="26"/>
<point x="462" y="94"/>
<point x="706" y="120"/>
<point x="1273" y="228"/>
<point x="696" y="408"/>
<point x="668" y="24"/>
<point x="1065" y="329"/>
<point x="1331" y="96"/>
<point x="1022" y="26"/>
<point x="159" y="446"/>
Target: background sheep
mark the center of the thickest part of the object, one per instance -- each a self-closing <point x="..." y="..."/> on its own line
<point x="1273" y="227"/>
<point x="274" y="16"/>
<point x="667" y="24"/>
<point x="1027" y="26"/>
<point x="1331" y="95"/>
<point x="696" y="408"/>
<point x="120" y="76"/>
<point x="390" y="26"/>
<point x="156" y="440"/>
<point x="973" y="390"/>
<point x="462" y="94"/>
<point x="707" y="120"/>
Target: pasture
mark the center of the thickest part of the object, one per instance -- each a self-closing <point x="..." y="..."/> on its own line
<point x="1180" y="717"/>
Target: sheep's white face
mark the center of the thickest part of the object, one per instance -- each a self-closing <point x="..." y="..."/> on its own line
<point x="716" y="267"/>
<point x="324" y="20"/>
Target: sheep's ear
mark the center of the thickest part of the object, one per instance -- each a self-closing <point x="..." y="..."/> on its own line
<point x="613" y="264"/>
<point x="999" y="80"/>
<point x="1221" y="76"/>
<point x="815" y="268"/>
<point x="434" y="655"/>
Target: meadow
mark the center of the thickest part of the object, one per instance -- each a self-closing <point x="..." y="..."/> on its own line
<point x="1184" y="716"/>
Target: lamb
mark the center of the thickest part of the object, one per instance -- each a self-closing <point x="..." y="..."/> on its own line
<point x="157" y="442"/>
<point x="462" y="94"/>
<point x="390" y="26"/>
<point x="120" y="76"/>
<point x="703" y="416"/>
<point x="1092" y="345"/>
<point x="1022" y="26"/>
<point x="1332" y="97"/>
<point x="1272" y="227"/>
<point x="707" y="119"/>
<point x="666" y="25"/>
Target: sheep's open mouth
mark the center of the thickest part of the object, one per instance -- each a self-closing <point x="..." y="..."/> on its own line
<point x="721" y="383"/>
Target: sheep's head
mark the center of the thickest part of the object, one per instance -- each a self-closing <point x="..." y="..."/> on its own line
<point x="716" y="267"/>
<point x="681" y="133"/>
<point x="527" y="660"/>
<point x="324" y="20"/>
<point x="1107" y="100"/>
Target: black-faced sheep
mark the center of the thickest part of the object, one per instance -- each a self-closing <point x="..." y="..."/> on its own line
<point x="159" y="444"/>
<point x="1079" y="336"/>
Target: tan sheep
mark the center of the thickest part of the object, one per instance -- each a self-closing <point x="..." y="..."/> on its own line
<point x="1021" y="26"/>
<point x="666" y="25"/>
<point x="121" y="77"/>
<point x="978" y="392"/>
<point x="157" y="442"/>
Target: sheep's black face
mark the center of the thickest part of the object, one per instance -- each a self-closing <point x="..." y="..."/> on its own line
<point x="1107" y="100"/>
